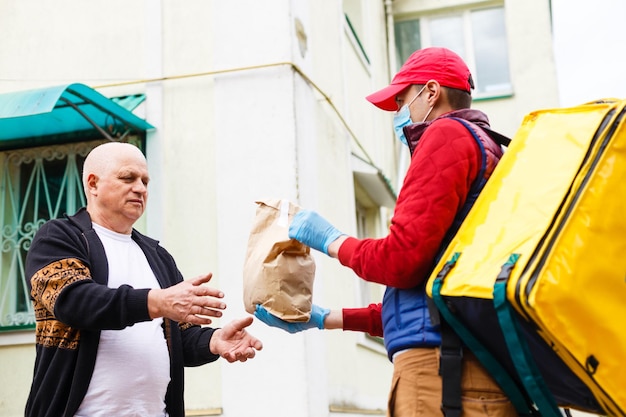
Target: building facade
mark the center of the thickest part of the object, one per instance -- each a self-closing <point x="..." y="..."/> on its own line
<point x="235" y="102"/>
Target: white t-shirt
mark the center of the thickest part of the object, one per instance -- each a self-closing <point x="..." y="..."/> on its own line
<point x="132" y="368"/>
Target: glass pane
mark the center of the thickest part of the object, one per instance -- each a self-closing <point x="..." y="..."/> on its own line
<point x="353" y="10"/>
<point x="408" y="40"/>
<point x="447" y="32"/>
<point x="490" y="49"/>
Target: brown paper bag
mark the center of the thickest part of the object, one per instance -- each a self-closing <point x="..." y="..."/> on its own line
<point x="278" y="272"/>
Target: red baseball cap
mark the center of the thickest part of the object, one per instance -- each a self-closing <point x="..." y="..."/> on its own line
<point x="439" y="64"/>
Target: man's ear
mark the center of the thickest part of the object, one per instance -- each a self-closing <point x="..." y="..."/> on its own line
<point x="92" y="183"/>
<point x="433" y="92"/>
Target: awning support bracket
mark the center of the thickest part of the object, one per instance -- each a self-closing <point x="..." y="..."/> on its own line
<point x="91" y="122"/>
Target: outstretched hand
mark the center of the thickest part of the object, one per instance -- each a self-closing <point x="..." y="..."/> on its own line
<point x="188" y="301"/>
<point x="233" y="342"/>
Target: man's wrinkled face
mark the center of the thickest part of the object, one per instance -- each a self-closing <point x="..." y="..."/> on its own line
<point x="122" y="190"/>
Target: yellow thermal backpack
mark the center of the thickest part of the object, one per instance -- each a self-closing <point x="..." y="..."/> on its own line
<point x="534" y="281"/>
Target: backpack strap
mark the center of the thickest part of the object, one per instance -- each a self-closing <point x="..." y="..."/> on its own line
<point x="475" y="188"/>
<point x="498" y="138"/>
<point x="450" y="370"/>
<point x="519" y="350"/>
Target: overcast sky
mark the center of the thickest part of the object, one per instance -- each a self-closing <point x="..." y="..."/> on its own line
<point x="590" y="49"/>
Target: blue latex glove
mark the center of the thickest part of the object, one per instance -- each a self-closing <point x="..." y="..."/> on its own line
<point x="313" y="230"/>
<point x="318" y="314"/>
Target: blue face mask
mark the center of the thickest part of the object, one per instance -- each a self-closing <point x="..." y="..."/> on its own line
<point x="402" y="118"/>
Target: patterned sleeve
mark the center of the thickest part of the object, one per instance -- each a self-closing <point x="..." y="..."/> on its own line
<point x="47" y="284"/>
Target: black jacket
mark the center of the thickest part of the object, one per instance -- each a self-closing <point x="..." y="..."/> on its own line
<point x="68" y="273"/>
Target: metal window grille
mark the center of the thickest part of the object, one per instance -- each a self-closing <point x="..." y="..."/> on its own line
<point x="36" y="185"/>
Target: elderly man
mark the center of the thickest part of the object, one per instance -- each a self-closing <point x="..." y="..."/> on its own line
<point x="116" y="322"/>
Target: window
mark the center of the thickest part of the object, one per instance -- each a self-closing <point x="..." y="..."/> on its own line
<point x="408" y="39"/>
<point x="36" y="185"/>
<point x="353" y="12"/>
<point x="374" y="203"/>
<point x="478" y="36"/>
<point x="366" y="219"/>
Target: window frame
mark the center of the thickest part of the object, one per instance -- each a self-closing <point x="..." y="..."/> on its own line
<point x="425" y="37"/>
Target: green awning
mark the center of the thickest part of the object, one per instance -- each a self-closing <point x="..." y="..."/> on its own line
<point x="64" y="111"/>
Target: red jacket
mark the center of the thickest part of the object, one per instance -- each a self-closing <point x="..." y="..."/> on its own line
<point x="443" y="160"/>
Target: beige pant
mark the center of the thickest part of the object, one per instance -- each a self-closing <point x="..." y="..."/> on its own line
<point x="416" y="387"/>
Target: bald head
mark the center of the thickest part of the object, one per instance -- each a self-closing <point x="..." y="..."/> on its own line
<point x="103" y="158"/>
<point x="115" y="178"/>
